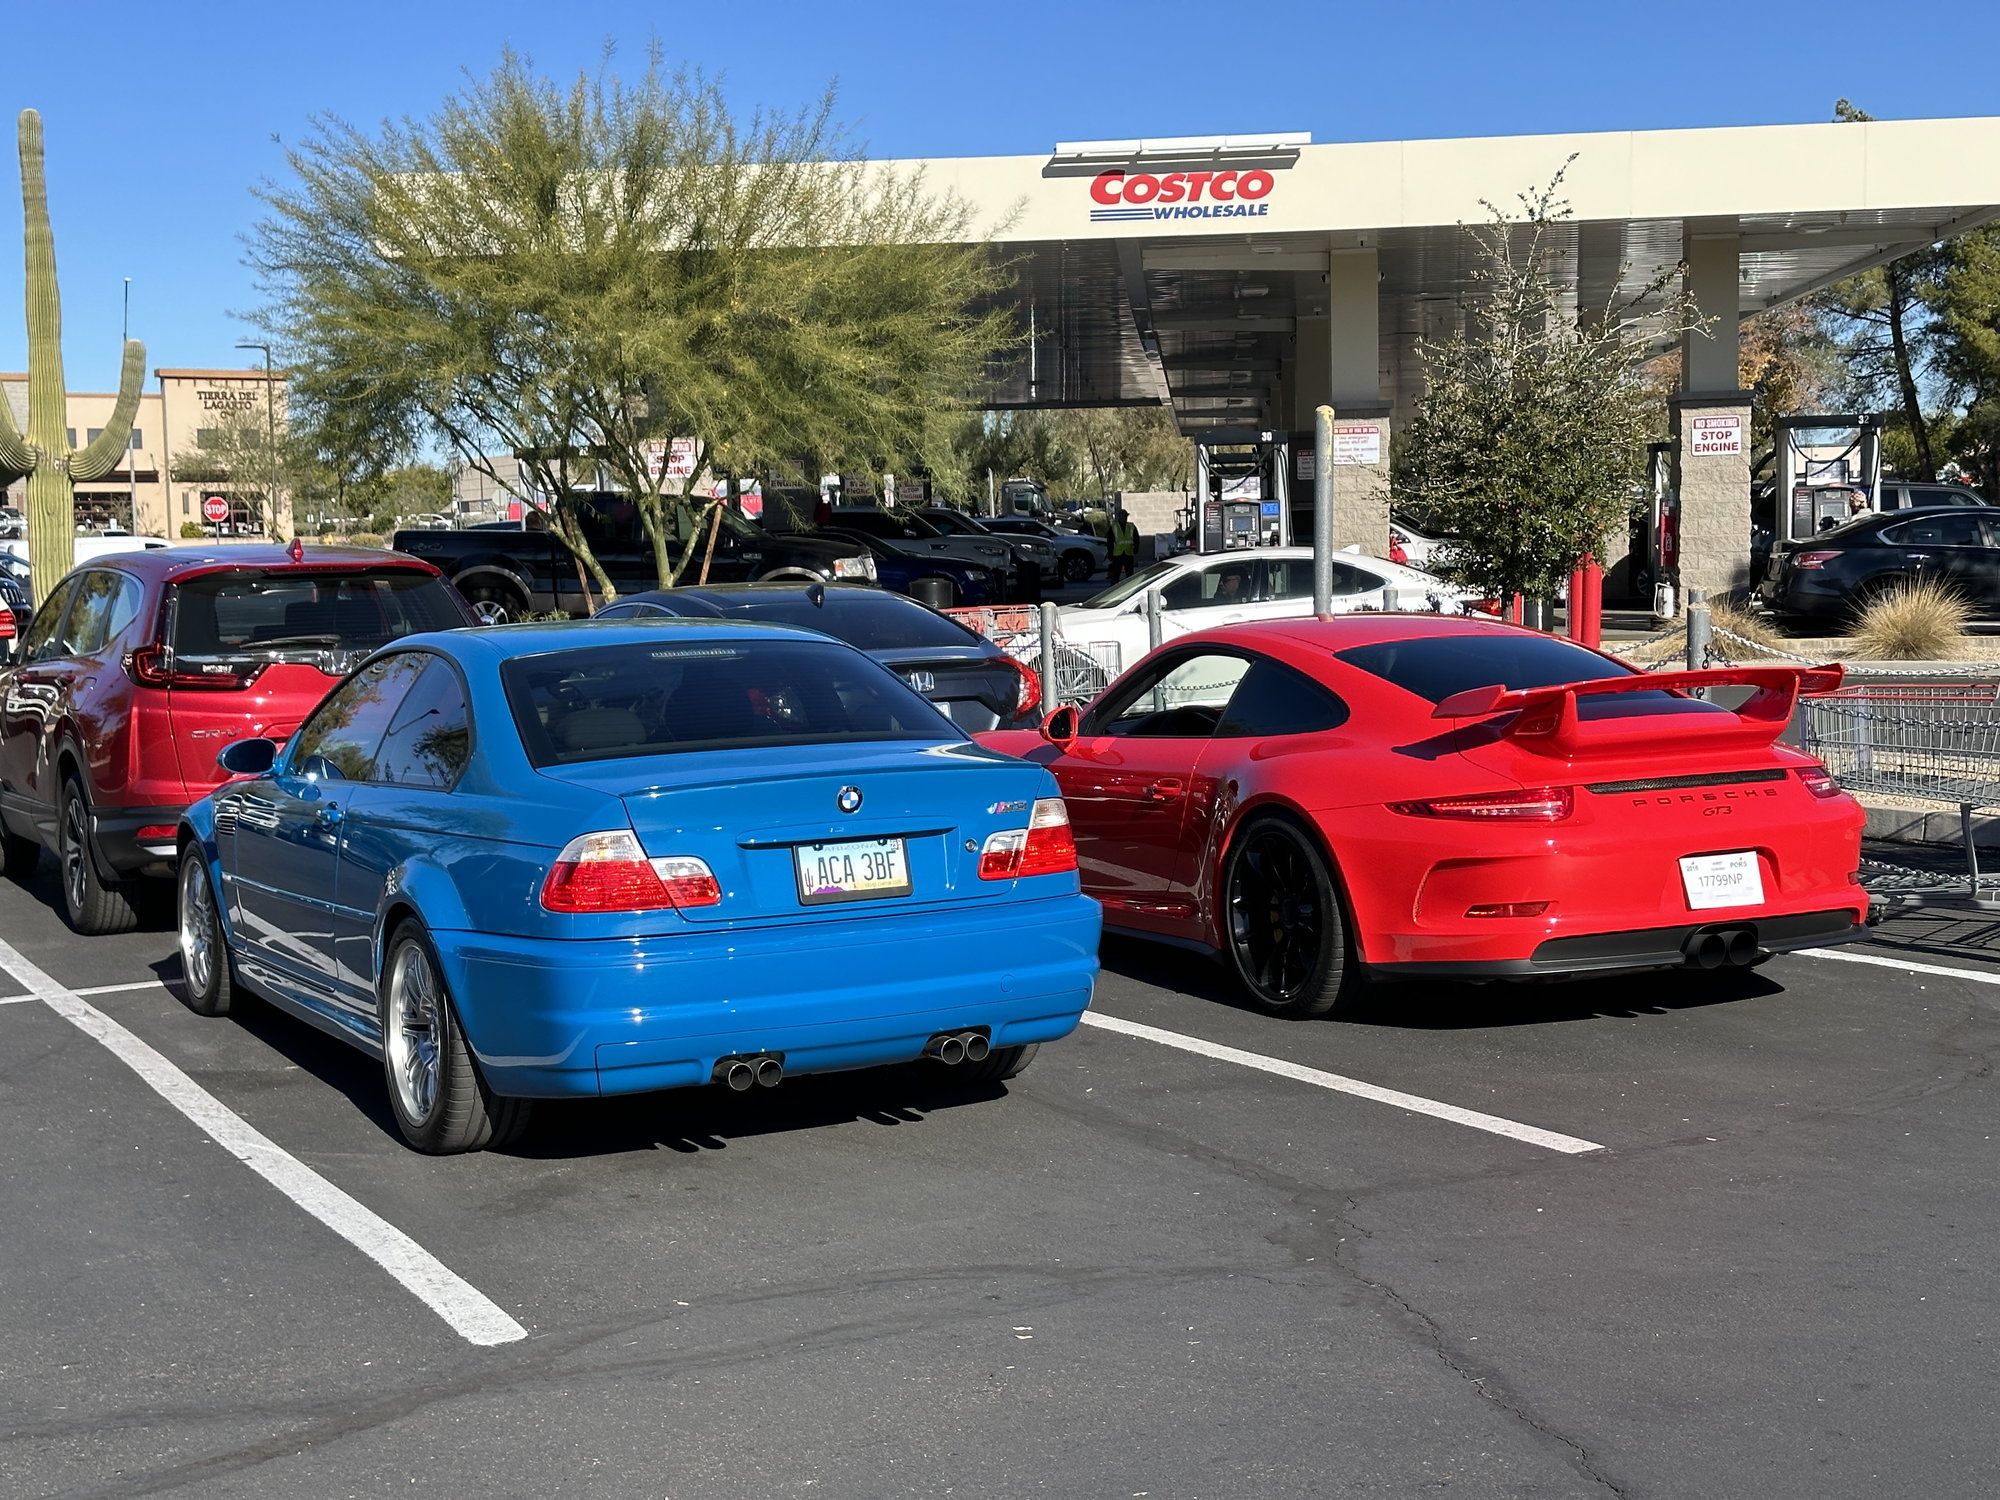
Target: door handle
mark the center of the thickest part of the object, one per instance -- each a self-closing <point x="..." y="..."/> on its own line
<point x="329" y="815"/>
<point x="1166" y="789"/>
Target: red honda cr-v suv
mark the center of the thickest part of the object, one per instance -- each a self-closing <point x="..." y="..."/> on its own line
<point x="140" y="667"/>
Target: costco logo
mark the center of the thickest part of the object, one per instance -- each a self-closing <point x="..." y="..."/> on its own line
<point x="1180" y="195"/>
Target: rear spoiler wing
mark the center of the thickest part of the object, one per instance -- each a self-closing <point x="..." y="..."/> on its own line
<point x="1546" y="717"/>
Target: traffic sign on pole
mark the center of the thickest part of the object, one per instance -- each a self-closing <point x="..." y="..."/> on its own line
<point x="215" y="508"/>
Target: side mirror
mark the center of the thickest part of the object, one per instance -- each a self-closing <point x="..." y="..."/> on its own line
<point x="248" y="757"/>
<point x="1060" y="727"/>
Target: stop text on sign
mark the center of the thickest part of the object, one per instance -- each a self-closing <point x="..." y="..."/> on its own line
<point x="1713" y="437"/>
<point x="1180" y="195"/>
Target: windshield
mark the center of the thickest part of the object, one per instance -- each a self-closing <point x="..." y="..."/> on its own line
<point x="865" y="619"/>
<point x="648" y="698"/>
<point x="1118" y="593"/>
<point x="249" y="610"/>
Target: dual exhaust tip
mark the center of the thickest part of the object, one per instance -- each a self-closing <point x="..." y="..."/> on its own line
<point x="766" y="1069"/>
<point x="952" y="1047"/>
<point x="1723" y="947"/>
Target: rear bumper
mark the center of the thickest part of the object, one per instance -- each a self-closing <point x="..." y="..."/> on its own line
<point x="1641" y="949"/>
<point x="121" y="849"/>
<point x="552" y="1019"/>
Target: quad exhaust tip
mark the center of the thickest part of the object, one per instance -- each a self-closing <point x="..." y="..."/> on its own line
<point x="740" y="1073"/>
<point x="952" y="1047"/>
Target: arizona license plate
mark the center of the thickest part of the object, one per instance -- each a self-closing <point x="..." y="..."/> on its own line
<point x="852" y="870"/>
<point x="1713" y="880"/>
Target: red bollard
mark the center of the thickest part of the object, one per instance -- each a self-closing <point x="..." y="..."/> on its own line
<point x="1593" y="594"/>
<point x="1514" y="610"/>
<point x="1578" y="621"/>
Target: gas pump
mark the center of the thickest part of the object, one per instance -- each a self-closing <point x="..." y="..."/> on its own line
<point x="1242" y="493"/>
<point x="1661" y="544"/>
<point x="1828" y="469"/>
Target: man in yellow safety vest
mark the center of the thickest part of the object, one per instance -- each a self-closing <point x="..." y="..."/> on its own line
<point x="1124" y="546"/>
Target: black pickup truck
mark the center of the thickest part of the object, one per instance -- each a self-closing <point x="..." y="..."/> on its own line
<point x="508" y="570"/>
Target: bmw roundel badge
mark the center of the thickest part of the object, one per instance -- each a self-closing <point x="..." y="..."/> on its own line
<point x="849" y="799"/>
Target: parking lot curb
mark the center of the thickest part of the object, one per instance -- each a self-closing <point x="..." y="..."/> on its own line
<point x="1911" y="825"/>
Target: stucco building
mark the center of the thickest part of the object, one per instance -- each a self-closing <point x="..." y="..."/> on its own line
<point x="177" y="424"/>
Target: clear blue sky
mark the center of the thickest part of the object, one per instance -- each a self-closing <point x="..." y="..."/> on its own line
<point x="160" y="118"/>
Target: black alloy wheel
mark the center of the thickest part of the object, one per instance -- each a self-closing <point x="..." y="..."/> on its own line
<point x="1287" y="936"/>
<point x="95" y="907"/>
<point x="1077" y="566"/>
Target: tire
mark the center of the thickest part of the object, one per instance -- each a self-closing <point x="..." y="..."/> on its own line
<point x="1077" y="566"/>
<point x="208" y="983"/>
<point x="442" y="1105"/>
<point x="998" y="1065"/>
<point x="496" y="603"/>
<point x="1283" y="923"/>
<point x="95" y="907"/>
<point x="19" y="857"/>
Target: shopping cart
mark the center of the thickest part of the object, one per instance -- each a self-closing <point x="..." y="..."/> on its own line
<point x="1082" y="669"/>
<point x="1933" y="742"/>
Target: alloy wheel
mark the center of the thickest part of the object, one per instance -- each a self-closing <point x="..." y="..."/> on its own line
<point x="75" y="851"/>
<point x="199" y="937"/>
<point x="415" y="1041"/>
<point x="1276" y="916"/>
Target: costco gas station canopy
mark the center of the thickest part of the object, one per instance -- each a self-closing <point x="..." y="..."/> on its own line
<point x="1246" y="280"/>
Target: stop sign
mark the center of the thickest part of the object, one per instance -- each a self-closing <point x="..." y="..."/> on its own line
<point x="215" y="508"/>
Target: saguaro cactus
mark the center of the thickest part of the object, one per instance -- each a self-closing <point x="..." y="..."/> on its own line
<point x="45" y="456"/>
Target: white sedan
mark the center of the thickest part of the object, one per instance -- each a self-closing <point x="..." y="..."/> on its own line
<point x="1201" y="591"/>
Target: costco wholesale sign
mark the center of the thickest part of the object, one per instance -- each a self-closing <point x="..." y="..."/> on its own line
<point x="1180" y="195"/>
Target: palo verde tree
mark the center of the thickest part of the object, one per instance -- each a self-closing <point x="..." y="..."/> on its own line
<point x="577" y="274"/>
<point x="1529" y="440"/>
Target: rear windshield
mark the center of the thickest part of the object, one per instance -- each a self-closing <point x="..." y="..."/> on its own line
<point x="251" y="610"/>
<point x="609" y="702"/>
<point x="871" y="621"/>
<point x="1436" y="666"/>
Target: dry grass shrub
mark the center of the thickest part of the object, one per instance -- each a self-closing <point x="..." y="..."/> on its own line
<point x="1919" y="621"/>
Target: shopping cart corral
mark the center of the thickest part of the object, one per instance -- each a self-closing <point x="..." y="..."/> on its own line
<point x="1934" y="742"/>
<point x="1081" y="669"/>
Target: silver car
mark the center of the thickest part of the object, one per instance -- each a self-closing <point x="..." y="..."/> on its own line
<point x="1078" y="554"/>
<point x="1025" y="549"/>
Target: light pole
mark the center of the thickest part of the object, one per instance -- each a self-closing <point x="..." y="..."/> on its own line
<point x="270" y="431"/>
<point x="131" y="447"/>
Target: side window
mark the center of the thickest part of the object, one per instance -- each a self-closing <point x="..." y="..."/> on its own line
<point x="341" y="737"/>
<point x="1938" y="529"/>
<point x="1274" y="699"/>
<point x="1292" y="578"/>
<point x="430" y="739"/>
<point x="1180" y="698"/>
<point x="1214" y="588"/>
<point x="106" y="602"/>
<point x="1939" y="495"/>
<point x="41" y="643"/>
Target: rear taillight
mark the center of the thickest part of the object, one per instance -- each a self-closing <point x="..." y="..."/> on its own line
<point x="1813" y="559"/>
<point x="1044" y="847"/>
<point x="1546" y="804"/>
<point x="6" y="623"/>
<point x="609" y="872"/>
<point x="1819" y="781"/>
<point x="153" y="666"/>
<point x="1507" y="909"/>
<point x="1030" y="690"/>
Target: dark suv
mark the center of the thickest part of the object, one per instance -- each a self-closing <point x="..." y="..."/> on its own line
<point x="1837" y="573"/>
<point x="141" y="666"/>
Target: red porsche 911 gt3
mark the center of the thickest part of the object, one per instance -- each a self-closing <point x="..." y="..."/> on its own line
<point x="1417" y="795"/>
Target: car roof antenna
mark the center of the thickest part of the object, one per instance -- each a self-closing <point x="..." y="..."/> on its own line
<point x="817" y="593"/>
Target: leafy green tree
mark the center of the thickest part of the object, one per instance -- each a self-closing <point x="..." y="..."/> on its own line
<point x="574" y="273"/>
<point x="1882" y="321"/>
<point x="1529" y="440"/>
<point x="1966" y="299"/>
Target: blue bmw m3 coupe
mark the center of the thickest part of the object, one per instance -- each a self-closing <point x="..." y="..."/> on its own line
<point x="584" y="859"/>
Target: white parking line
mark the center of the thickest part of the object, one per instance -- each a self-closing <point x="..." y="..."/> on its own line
<point x="469" y="1311"/>
<point x="120" y="989"/>
<point x="1534" y="1135"/>
<point x="1977" y="976"/>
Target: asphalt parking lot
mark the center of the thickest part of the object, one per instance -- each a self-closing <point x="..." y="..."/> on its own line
<point x="1762" y="1263"/>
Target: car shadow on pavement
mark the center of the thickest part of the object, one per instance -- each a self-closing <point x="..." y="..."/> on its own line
<point x="1445" y="1005"/>
<point x="685" y="1120"/>
<point x="152" y="899"/>
<point x="695" y="1120"/>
